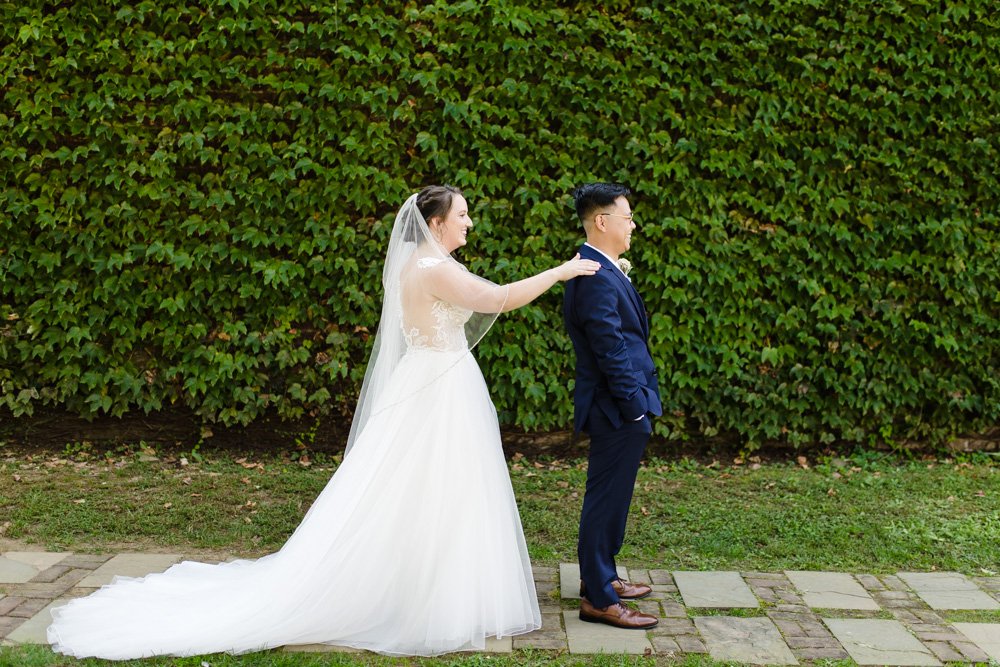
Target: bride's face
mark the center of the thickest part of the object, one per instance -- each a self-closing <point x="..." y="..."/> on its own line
<point x="453" y="228"/>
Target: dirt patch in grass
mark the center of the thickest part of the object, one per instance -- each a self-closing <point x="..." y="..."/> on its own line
<point x="180" y="430"/>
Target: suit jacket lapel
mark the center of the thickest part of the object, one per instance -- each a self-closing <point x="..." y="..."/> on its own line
<point x="589" y="253"/>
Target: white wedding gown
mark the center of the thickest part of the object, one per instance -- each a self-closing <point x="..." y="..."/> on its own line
<point x="414" y="547"/>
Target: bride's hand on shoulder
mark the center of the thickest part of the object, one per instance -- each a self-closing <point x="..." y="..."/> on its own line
<point x="577" y="267"/>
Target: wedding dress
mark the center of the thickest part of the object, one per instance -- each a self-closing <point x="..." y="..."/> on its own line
<point x="415" y="546"/>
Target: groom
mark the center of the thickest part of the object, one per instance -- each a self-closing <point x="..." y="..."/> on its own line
<point x="616" y="393"/>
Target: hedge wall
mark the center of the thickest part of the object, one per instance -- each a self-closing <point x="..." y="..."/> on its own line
<point x="196" y="198"/>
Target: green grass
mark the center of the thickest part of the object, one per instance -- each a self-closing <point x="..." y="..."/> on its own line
<point x="876" y="517"/>
<point x="37" y="656"/>
<point x="863" y="514"/>
<point x="860" y="515"/>
<point x="971" y="615"/>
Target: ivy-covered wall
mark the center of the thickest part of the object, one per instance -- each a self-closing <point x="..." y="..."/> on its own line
<point x="196" y="196"/>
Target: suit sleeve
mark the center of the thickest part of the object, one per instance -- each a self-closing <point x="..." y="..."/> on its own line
<point x="596" y="306"/>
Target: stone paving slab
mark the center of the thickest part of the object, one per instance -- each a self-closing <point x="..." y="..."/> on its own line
<point x="831" y="590"/>
<point x="569" y="580"/>
<point x="129" y="565"/>
<point x="550" y="636"/>
<point x="586" y="637"/>
<point x="715" y="590"/>
<point x="879" y="642"/>
<point x="32" y="631"/>
<point x="747" y="640"/>
<point x="20" y="567"/>
<point x="918" y="636"/>
<point x="948" y="590"/>
<point x="984" y="635"/>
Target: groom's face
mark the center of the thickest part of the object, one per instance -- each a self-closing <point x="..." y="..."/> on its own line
<point x="618" y="225"/>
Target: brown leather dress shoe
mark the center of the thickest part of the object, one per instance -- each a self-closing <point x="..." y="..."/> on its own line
<point x="617" y="615"/>
<point x="626" y="590"/>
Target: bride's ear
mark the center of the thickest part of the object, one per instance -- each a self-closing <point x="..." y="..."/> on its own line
<point x="434" y="224"/>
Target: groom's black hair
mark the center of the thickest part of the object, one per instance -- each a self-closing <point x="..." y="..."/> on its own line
<point x="592" y="196"/>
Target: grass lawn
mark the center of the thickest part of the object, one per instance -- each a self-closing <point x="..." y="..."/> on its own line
<point x="863" y="513"/>
<point x="42" y="657"/>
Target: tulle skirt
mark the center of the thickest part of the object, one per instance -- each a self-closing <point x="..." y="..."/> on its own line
<point x="414" y="547"/>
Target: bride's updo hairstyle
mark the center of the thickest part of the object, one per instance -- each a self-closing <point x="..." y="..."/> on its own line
<point x="434" y="201"/>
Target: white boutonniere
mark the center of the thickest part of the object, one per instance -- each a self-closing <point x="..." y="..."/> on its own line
<point x="624" y="265"/>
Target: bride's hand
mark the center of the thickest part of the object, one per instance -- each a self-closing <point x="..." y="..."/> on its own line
<point x="577" y="267"/>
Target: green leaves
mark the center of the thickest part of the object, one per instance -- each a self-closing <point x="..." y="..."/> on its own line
<point x="196" y="200"/>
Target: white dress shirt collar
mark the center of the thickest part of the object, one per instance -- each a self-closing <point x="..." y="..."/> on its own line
<point x="614" y="263"/>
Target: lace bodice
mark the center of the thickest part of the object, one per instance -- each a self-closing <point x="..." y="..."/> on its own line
<point x="439" y="327"/>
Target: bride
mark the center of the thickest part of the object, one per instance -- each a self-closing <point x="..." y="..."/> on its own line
<point x="415" y="546"/>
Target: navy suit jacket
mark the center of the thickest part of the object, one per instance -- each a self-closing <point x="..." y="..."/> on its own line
<point x="607" y="322"/>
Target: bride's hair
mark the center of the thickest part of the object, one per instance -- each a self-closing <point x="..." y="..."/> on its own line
<point x="434" y="201"/>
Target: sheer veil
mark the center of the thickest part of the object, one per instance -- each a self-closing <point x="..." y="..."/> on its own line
<point x="418" y="275"/>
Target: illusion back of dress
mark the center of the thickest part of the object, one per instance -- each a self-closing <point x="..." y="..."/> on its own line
<point x="428" y="322"/>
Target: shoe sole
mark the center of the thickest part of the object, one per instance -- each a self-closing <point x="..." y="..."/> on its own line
<point x="637" y="597"/>
<point x="622" y="597"/>
<point x="588" y="619"/>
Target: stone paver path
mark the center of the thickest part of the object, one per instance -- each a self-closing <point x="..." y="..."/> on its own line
<point x="715" y="590"/>
<point x="832" y="590"/>
<point x="948" y="590"/>
<point x="776" y="618"/>
<point x="985" y="635"/>
<point x="880" y="642"/>
<point x="751" y="640"/>
<point x="129" y="565"/>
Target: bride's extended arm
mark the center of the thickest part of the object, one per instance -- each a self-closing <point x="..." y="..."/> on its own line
<point x="456" y="286"/>
<point x="525" y="291"/>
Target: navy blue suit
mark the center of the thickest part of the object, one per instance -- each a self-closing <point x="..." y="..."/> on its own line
<point x="616" y="393"/>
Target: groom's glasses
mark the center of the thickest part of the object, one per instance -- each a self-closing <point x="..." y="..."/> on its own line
<point x="630" y="217"/>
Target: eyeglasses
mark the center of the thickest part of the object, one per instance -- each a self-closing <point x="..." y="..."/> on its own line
<point x="629" y="217"/>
